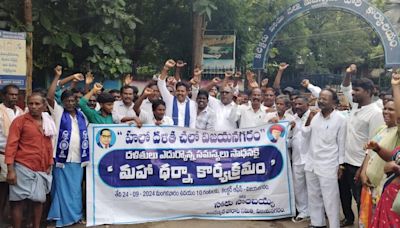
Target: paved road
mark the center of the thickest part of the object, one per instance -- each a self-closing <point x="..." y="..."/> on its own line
<point x="195" y="223"/>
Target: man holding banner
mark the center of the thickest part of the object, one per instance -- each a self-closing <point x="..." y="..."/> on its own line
<point x="326" y="131"/>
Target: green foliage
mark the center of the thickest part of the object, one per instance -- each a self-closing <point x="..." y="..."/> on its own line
<point x="109" y="37"/>
<point x="204" y="7"/>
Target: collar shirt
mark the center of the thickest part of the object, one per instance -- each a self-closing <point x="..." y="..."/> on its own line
<point x="327" y="140"/>
<point x="169" y="102"/>
<point x="361" y="126"/>
<point x="147" y="106"/>
<point x="290" y="112"/>
<point x="206" y="120"/>
<point x="148" y="118"/>
<point x="247" y="117"/>
<point x="27" y="145"/>
<point x="11" y="115"/>
<point x="120" y="110"/>
<point x="223" y="123"/>
<point x="94" y="116"/>
<point x="286" y="116"/>
<point x="74" y="152"/>
<point x="300" y="142"/>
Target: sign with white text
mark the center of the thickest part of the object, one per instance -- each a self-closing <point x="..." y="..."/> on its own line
<point x="166" y="173"/>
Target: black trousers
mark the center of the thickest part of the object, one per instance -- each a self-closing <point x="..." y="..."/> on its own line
<point x="348" y="188"/>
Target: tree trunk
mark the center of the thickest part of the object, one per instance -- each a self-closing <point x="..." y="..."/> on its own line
<point x="29" y="45"/>
<point x="198" y="33"/>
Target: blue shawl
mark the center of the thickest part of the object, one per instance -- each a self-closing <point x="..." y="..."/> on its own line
<point x="64" y="137"/>
<point x="175" y="112"/>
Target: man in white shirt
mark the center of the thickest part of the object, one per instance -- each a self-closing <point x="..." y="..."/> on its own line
<point x="365" y="117"/>
<point x="123" y="109"/>
<point x="8" y="112"/>
<point x="147" y="103"/>
<point x="157" y="115"/>
<point x="326" y="131"/>
<point x="250" y="116"/>
<point x="205" y="115"/>
<point x="223" y="108"/>
<point x="180" y="108"/>
<point x="299" y="153"/>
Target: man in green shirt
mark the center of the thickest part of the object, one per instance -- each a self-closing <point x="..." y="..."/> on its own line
<point x="106" y="101"/>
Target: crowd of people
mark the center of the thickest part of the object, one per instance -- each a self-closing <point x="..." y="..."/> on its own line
<point x="342" y="145"/>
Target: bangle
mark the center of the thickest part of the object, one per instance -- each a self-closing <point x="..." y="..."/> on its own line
<point x="342" y="167"/>
<point x="58" y="83"/>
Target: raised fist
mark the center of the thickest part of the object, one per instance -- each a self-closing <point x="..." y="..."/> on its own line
<point x="216" y="80"/>
<point x="180" y="64"/>
<point x="89" y="78"/>
<point x="228" y="74"/>
<point x="78" y="77"/>
<point x="250" y="76"/>
<point x="128" y="79"/>
<point x="283" y="66"/>
<point x="170" y="63"/>
<point x="352" y="69"/>
<point x="305" y="83"/>
<point x="395" y="78"/>
<point x="97" y="87"/>
<point x="58" y="70"/>
<point x="264" y="82"/>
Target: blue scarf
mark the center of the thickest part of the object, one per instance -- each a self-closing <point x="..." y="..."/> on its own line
<point x="64" y="137"/>
<point x="175" y="112"/>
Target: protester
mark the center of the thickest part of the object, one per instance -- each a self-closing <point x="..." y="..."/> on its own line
<point x="365" y="117"/>
<point x="205" y="115"/>
<point x="29" y="153"/>
<point x="92" y="102"/>
<point x="250" y="116"/>
<point x="179" y="107"/>
<point x="299" y="153"/>
<point x="385" y="215"/>
<point x="326" y="132"/>
<point x="372" y="173"/>
<point x="157" y="115"/>
<point x="123" y="109"/>
<point x="155" y="95"/>
<point x="106" y="101"/>
<point x="8" y="112"/>
<point x="116" y="94"/>
<point x="71" y="154"/>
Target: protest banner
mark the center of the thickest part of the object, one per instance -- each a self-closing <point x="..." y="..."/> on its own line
<point x="166" y="173"/>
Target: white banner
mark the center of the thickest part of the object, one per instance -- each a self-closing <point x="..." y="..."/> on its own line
<point x="166" y="173"/>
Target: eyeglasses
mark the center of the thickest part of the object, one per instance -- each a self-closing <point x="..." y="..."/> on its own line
<point x="225" y="92"/>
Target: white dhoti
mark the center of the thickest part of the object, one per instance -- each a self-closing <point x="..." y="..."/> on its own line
<point x="30" y="185"/>
<point x="323" y="196"/>
<point x="300" y="190"/>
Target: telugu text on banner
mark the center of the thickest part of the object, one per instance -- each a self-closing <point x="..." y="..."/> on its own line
<point x="164" y="173"/>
